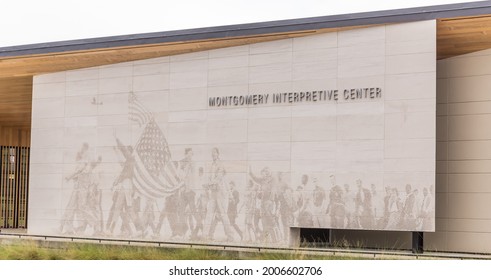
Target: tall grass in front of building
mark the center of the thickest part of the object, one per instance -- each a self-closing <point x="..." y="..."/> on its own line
<point x="85" y="251"/>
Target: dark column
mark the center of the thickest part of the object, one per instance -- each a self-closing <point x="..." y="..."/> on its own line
<point x="417" y="242"/>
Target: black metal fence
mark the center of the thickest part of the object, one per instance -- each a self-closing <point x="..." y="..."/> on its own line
<point x="14" y="181"/>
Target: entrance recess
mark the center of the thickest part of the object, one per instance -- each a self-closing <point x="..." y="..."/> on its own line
<point x="14" y="180"/>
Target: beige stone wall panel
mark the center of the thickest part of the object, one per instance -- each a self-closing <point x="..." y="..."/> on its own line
<point x="150" y="121"/>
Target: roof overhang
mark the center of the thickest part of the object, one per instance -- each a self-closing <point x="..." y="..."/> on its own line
<point x="461" y="28"/>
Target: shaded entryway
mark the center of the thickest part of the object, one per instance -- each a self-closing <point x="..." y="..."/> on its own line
<point x="14" y="180"/>
<point x="15" y="138"/>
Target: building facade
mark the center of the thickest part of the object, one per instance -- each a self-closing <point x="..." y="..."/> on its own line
<point x="242" y="143"/>
<point x="368" y="131"/>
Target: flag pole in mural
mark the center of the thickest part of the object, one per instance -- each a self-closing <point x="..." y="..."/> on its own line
<point x="148" y="174"/>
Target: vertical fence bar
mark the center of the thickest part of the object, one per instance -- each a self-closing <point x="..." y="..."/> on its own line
<point x="6" y="187"/>
<point x="27" y="159"/>
<point x="17" y="176"/>
<point x="13" y="182"/>
<point x="10" y="189"/>
<point x="12" y="186"/>
<point x="9" y="185"/>
<point x="2" y="185"/>
<point x="21" y="188"/>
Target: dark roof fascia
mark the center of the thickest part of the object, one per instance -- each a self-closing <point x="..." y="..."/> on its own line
<point x="253" y="29"/>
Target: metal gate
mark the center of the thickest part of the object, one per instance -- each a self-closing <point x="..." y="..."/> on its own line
<point x="14" y="180"/>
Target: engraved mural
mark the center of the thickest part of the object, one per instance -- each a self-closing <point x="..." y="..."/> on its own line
<point x="154" y="196"/>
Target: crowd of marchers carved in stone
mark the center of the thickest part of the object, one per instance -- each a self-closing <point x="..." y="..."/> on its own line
<point x="156" y="197"/>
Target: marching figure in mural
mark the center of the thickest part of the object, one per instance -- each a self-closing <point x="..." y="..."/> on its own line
<point x="250" y="211"/>
<point x="303" y="215"/>
<point x="287" y="205"/>
<point x="84" y="205"/>
<point x="180" y="206"/>
<point x="93" y="209"/>
<point x="408" y="216"/>
<point x="425" y="216"/>
<point x="394" y="208"/>
<point x="319" y="199"/>
<point x="201" y="206"/>
<point x="349" y="207"/>
<point x="123" y="206"/>
<point x="232" y="211"/>
<point x="217" y="205"/>
<point x="377" y="206"/>
<point x="268" y="198"/>
<point x="187" y="196"/>
<point x="386" y="205"/>
<point x="363" y="205"/>
<point x="336" y="206"/>
<point x="148" y="218"/>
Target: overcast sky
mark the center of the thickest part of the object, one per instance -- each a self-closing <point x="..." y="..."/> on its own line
<point x="38" y="21"/>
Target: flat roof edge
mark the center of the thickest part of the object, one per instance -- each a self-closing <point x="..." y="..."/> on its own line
<point x="255" y="29"/>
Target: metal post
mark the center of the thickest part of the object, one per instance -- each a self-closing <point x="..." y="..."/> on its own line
<point x="417" y="242"/>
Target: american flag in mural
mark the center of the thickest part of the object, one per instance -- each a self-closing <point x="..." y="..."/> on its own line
<point x="155" y="174"/>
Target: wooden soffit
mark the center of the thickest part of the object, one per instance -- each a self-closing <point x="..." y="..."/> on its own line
<point x="462" y="35"/>
<point x="30" y="65"/>
<point x="455" y="36"/>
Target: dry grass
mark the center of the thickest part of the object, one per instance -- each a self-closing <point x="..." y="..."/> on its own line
<point x="84" y="251"/>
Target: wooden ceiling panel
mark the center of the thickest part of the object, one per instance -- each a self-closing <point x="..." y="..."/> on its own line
<point x="40" y="64"/>
<point x="457" y="36"/>
<point x="15" y="101"/>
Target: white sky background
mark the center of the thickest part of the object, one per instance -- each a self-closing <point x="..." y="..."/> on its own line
<point x="39" y="21"/>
